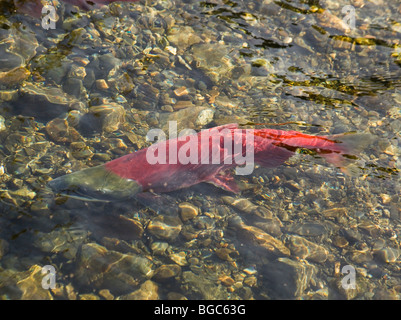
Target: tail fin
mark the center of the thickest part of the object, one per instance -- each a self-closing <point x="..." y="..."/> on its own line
<point x="346" y="149"/>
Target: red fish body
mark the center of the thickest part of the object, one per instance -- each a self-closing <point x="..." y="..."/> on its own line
<point x="206" y="156"/>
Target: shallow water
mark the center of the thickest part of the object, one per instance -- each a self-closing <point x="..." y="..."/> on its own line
<point x="90" y="90"/>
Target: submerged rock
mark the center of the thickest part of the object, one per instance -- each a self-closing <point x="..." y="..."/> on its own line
<point x="109" y="116"/>
<point x="104" y="269"/>
<point x="188" y="211"/>
<point x="214" y="60"/>
<point x="257" y="237"/>
<point x="44" y="102"/>
<point x="31" y="285"/>
<point x="203" y="287"/>
<point x="287" y="278"/>
<point x="60" y="131"/>
<point x="18" y="46"/>
<point x="187" y="118"/>
<point x="166" y="272"/>
<point x="147" y="291"/>
<point x="165" y="227"/>
<point x="305" y="249"/>
<point x="3" y="248"/>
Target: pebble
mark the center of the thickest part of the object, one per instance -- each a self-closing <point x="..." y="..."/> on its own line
<point x="164" y="227"/>
<point x="185" y="118"/>
<point x="132" y="226"/>
<point x="336" y="213"/>
<point x="361" y="256"/>
<point x="203" y="287"/>
<point x="181" y="91"/>
<point x="106" y="294"/>
<point x="224" y="253"/>
<point x="60" y="131"/>
<point x="308" y="229"/>
<point x="179" y="258"/>
<point x="183" y="37"/>
<point x="305" y="249"/>
<point x="88" y="296"/>
<point x="226" y="280"/>
<point x="80" y="150"/>
<point x="288" y="278"/>
<point x="110" y="116"/>
<point x="147" y="291"/>
<point x="3" y="247"/>
<point x="248" y="207"/>
<point x="101" y="84"/>
<point x="183" y="104"/>
<point x="188" y="211"/>
<point x="388" y="254"/>
<point x="204" y="117"/>
<point x="31" y="285"/>
<point x="165" y="272"/>
<point x="2" y="124"/>
<point x="340" y="242"/>
<point x="259" y="238"/>
<point x="116" y="271"/>
<point x="176" y="296"/>
<point x="385" y="198"/>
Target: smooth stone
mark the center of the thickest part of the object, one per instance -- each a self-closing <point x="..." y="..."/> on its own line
<point x="204" y="117"/>
<point x="159" y="248"/>
<point x="132" y="226"/>
<point x="308" y="229"/>
<point x="388" y="254"/>
<point x="43" y="102"/>
<point x="101" y="268"/>
<point x="204" y="288"/>
<point x="340" y="242"/>
<point x="188" y="211"/>
<point x="147" y="291"/>
<point x="31" y="285"/>
<point x="165" y="227"/>
<point x="305" y="249"/>
<point x="3" y="248"/>
<point x="227" y="281"/>
<point x="288" y="279"/>
<point x="183" y="37"/>
<point x="179" y="258"/>
<point x="88" y="296"/>
<point x="110" y="116"/>
<point x="106" y="294"/>
<point x="176" y="296"/>
<point x="61" y="132"/>
<point x="186" y="118"/>
<point x="74" y="87"/>
<point x="165" y="272"/>
<point x="361" y="256"/>
<point x="259" y="238"/>
<point x="224" y="253"/>
<point x="60" y="241"/>
<point x="248" y="207"/>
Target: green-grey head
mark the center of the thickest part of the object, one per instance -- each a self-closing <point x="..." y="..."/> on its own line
<point x="95" y="184"/>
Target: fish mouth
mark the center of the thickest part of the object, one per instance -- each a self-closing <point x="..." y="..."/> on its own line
<point x="95" y="184"/>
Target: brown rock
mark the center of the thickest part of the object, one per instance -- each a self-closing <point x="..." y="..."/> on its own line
<point x="188" y="211"/>
<point x="60" y="131"/>
<point x="147" y="291"/>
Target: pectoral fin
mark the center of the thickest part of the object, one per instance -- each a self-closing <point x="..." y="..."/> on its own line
<point x="225" y="182"/>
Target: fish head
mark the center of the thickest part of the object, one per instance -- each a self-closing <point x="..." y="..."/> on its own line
<point x="95" y="184"/>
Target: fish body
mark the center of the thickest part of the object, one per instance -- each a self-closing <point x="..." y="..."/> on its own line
<point x="207" y="156"/>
